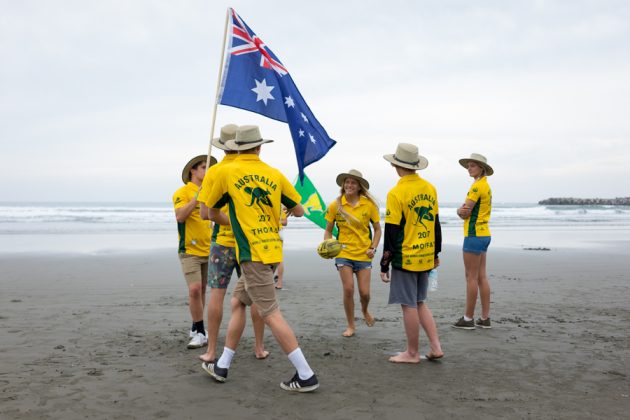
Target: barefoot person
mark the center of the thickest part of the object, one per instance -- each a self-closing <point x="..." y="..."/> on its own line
<point x="223" y="258"/>
<point x="194" y="245"/>
<point x="255" y="192"/>
<point x="278" y="277"/>
<point x="353" y="211"/>
<point x="476" y="215"/>
<point x="413" y="240"/>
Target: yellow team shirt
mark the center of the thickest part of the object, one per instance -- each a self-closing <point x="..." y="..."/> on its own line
<point x="477" y="223"/>
<point x="254" y="192"/>
<point x="194" y="232"/>
<point x="413" y="205"/>
<point x="221" y="234"/>
<point x="355" y="238"/>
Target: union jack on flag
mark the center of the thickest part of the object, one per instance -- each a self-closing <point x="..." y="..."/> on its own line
<point x="254" y="79"/>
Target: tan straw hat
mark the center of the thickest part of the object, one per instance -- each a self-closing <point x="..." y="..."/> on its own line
<point x="247" y="137"/>
<point x="193" y="162"/>
<point x="479" y="160"/>
<point x="353" y="173"/>
<point x="407" y="156"/>
<point x="228" y="132"/>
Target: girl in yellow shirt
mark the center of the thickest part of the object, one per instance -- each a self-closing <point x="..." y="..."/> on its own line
<point x="353" y="211"/>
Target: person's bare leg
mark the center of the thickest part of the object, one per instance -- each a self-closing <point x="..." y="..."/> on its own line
<point x="411" y="322"/>
<point x="363" y="279"/>
<point x="259" y="333"/>
<point x="347" y="283"/>
<point x="282" y="331"/>
<point x="484" y="288"/>
<point x="471" y="266"/>
<point x="195" y="304"/>
<point x="236" y="325"/>
<point x="215" y="316"/>
<point x="428" y="325"/>
<point x="280" y="274"/>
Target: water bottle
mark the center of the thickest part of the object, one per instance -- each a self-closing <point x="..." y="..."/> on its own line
<point x="433" y="280"/>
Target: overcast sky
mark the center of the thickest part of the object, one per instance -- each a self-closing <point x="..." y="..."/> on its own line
<point x="107" y="100"/>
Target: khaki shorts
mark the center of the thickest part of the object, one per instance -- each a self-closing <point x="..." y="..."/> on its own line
<point x="195" y="268"/>
<point x="256" y="286"/>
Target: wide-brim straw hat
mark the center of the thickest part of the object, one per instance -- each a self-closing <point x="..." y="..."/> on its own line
<point x="228" y="132"/>
<point x="479" y="160"/>
<point x="354" y="174"/>
<point x="193" y="162"/>
<point x="407" y="156"/>
<point x="247" y="137"/>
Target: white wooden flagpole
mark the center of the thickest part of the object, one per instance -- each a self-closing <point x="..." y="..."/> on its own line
<point x="216" y="97"/>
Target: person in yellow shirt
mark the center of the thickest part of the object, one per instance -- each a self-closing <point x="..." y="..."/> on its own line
<point x="223" y="262"/>
<point x="476" y="215"/>
<point x="255" y="191"/>
<point x="353" y="211"/>
<point x="413" y="240"/>
<point x="194" y="244"/>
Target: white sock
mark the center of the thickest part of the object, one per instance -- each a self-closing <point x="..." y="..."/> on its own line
<point x="226" y="358"/>
<point x="301" y="365"/>
<point x="467" y="319"/>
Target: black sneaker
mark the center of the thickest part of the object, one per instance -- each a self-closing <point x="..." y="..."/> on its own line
<point x="483" y="323"/>
<point x="464" y="325"/>
<point x="300" y="385"/>
<point x="219" y="374"/>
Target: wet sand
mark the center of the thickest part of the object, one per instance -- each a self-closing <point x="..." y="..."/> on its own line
<point x="104" y="336"/>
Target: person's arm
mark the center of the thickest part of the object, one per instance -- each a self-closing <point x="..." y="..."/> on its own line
<point x="438" y="240"/>
<point x="375" y="239"/>
<point x="217" y="216"/>
<point x="392" y="232"/>
<point x="297" y="211"/>
<point x="203" y="212"/>
<point x="464" y="211"/>
<point x="182" y="213"/>
<point x="329" y="230"/>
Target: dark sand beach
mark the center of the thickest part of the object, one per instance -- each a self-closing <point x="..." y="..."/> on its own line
<point x="104" y="336"/>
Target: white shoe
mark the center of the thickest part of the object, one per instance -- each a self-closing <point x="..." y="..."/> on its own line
<point x="199" y="340"/>
<point x="191" y="333"/>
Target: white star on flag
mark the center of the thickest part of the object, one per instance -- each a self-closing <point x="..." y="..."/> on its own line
<point x="263" y="92"/>
<point x="301" y="133"/>
<point x="312" y="138"/>
<point x="289" y="102"/>
<point x="304" y="117"/>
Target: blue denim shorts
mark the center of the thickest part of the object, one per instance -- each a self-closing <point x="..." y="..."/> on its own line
<point x="356" y="265"/>
<point x="476" y="244"/>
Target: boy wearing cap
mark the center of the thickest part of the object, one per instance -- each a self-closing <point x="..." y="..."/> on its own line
<point x="222" y="262"/>
<point x="413" y="240"/>
<point x="194" y="244"/>
<point x="255" y="192"/>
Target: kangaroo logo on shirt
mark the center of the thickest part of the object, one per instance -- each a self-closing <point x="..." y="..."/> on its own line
<point x="423" y="213"/>
<point x="258" y="196"/>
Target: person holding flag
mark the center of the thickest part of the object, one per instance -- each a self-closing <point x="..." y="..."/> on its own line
<point x="353" y="211"/>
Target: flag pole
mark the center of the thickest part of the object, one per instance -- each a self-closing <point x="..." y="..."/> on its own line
<point x="216" y="98"/>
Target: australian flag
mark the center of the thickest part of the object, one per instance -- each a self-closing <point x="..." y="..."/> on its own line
<point x="254" y="79"/>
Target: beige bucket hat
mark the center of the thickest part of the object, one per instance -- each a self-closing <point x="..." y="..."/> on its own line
<point x="228" y="132"/>
<point x="407" y="156"/>
<point x="353" y="173"/>
<point x="247" y="137"/>
<point x="479" y="160"/>
<point x="193" y="162"/>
